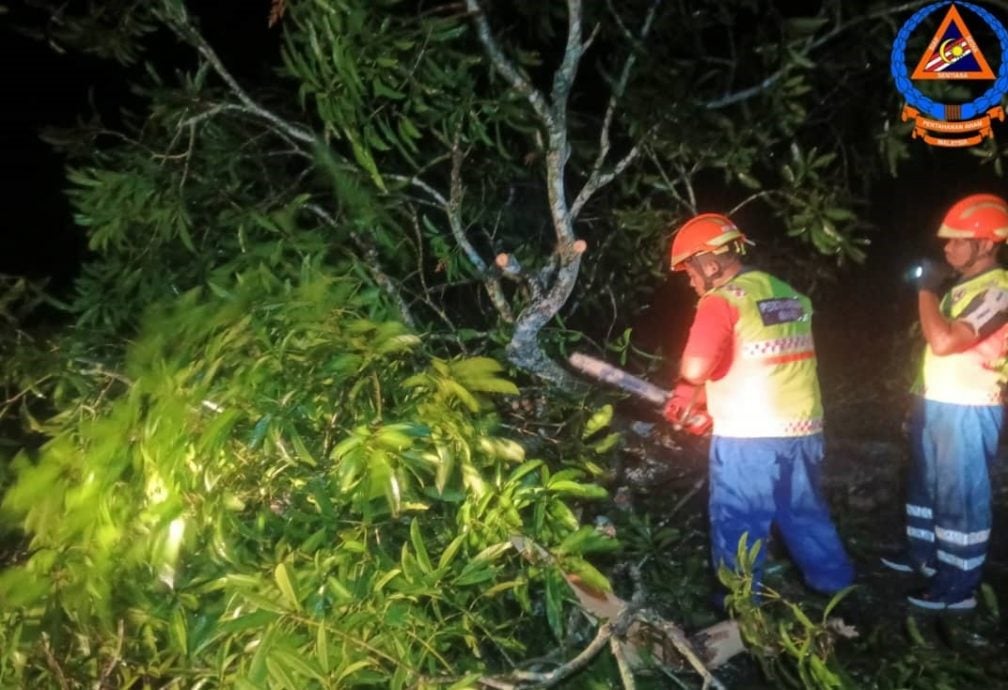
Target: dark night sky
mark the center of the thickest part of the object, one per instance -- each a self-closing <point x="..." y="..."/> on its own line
<point x="40" y="88"/>
<point x="43" y="88"/>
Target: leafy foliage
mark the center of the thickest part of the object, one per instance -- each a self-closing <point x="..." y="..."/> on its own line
<point x="390" y="137"/>
<point x="279" y="470"/>
<point x="793" y="650"/>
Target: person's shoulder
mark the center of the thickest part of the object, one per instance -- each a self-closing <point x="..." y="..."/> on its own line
<point x="993" y="280"/>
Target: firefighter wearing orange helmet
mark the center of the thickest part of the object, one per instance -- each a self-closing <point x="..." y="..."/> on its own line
<point x="957" y="414"/>
<point x="750" y="348"/>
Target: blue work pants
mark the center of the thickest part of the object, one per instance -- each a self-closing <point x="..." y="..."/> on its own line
<point x="949" y="495"/>
<point x="755" y="482"/>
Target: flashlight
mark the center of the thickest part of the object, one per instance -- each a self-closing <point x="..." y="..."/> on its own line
<point x="914" y="273"/>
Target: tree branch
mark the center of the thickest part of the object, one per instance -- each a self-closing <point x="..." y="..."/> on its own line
<point x="177" y="19"/>
<point x="745" y="94"/>
<point x="596" y="179"/>
<point x="547" y="680"/>
<point x="681" y="644"/>
<point x="563" y="78"/>
<point x="452" y="207"/>
<point x="371" y="264"/>
<point x="492" y="283"/>
<point x="116" y="656"/>
<point x="626" y="675"/>
<point x="505" y="67"/>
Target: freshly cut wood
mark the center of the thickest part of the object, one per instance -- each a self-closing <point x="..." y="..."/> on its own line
<point x="648" y="635"/>
<point x="714" y="645"/>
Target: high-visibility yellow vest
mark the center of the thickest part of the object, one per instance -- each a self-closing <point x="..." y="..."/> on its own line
<point x="971" y="377"/>
<point x="771" y="388"/>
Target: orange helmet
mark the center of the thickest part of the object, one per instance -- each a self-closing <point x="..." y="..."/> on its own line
<point x="707" y="233"/>
<point x="977" y="217"/>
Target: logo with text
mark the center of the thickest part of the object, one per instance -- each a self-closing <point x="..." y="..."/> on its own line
<point x="952" y="55"/>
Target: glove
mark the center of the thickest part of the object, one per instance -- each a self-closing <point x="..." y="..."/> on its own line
<point x="699" y="423"/>
<point x="684" y="398"/>
<point x="928" y="276"/>
<point x="686" y="409"/>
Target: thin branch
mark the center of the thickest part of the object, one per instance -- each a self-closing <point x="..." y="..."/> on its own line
<point x="682" y="645"/>
<point x="53" y="664"/>
<point x="627" y="34"/>
<point x="563" y="78"/>
<point x="546" y="680"/>
<point x="371" y="264"/>
<point x="591" y="37"/>
<point x="751" y="198"/>
<point x="505" y="67"/>
<point x="745" y="94"/>
<point x="670" y="186"/>
<point x="178" y="20"/>
<point x="211" y="112"/>
<point x="188" y="158"/>
<point x="688" y="495"/>
<point x="599" y="179"/>
<point x="452" y="207"/>
<point x="626" y="675"/>
<point x="596" y="178"/>
<point x="116" y="656"/>
<point x="511" y="268"/>
<point x="671" y="676"/>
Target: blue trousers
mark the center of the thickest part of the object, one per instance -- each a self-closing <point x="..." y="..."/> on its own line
<point x="949" y="495"/>
<point x="755" y="482"/>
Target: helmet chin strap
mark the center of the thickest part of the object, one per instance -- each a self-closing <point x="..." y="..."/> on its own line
<point x="708" y="280"/>
<point x="972" y="258"/>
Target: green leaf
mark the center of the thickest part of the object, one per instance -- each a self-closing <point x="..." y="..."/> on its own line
<point x="353" y="668"/>
<point x="607" y="443"/>
<point x="179" y="631"/>
<point x="836" y="599"/>
<point x="588" y="573"/>
<point x="416" y="538"/>
<point x="586" y="540"/>
<point x="555" y="588"/>
<point x="524" y="469"/>
<point x="302" y="450"/>
<point x="598" y="421"/>
<point x="279" y="673"/>
<point x="576" y="489"/>
<point x="286" y="586"/>
<point x="298" y="664"/>
<point x="748" y="180"/>
<point x="448" y="555"/>
<point x="363" y="157"/>
<point x="322" y="647"/>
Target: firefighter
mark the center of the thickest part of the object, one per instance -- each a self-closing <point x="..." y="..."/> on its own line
<point x="750" y="353"/>
<point x="957" y="414"/>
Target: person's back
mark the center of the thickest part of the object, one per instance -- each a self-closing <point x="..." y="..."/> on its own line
<point x="771" y="387"/>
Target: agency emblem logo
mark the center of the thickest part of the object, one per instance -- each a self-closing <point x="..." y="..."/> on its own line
<point x="952" y="54"/>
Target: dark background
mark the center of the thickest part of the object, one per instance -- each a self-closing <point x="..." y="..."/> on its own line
<point x="44" y="88"/>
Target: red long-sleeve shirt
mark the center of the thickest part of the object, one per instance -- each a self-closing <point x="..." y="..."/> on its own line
<point x="712" y="334"/>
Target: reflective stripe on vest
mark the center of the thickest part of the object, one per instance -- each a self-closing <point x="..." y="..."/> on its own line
<point x="971" y="377"/>
<point x="771" y="388"/>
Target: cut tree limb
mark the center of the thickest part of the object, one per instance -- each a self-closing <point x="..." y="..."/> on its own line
<point x="640" y="634"/>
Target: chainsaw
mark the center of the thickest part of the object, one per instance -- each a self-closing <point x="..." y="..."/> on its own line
<point x="694" y="419"/>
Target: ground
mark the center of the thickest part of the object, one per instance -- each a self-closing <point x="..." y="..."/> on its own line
<point x="863" y="479"/>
